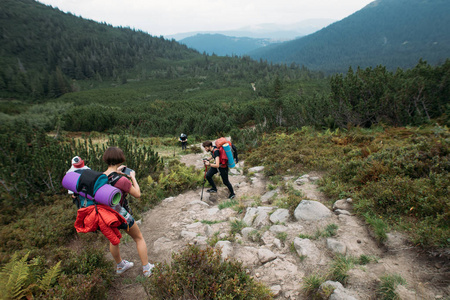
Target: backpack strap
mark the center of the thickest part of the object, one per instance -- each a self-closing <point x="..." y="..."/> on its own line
<point x="235" y="154"/>
<point x="87" y="182"/>
<point x="113" y="177"/>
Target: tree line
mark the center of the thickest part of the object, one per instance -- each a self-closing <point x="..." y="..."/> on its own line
<point x="363" y="98"/>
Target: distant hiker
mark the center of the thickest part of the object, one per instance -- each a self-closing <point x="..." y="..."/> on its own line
<point x="77" y="164"/>
<point x="183" y="140"/>
<point x="217" y="167"/>
<point x="114" y="158"/>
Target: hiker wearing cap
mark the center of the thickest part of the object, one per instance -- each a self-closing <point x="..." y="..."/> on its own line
<point x="183" y="140"/>
<point x="77" y="164"/>
<point x="114" y="158"/>
<point x="216" y="167"/>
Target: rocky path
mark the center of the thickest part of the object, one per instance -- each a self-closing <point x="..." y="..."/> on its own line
<point x="265" y="245"/>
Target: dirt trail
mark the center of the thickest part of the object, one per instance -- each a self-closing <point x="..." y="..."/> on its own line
<point x="166" y="228"/>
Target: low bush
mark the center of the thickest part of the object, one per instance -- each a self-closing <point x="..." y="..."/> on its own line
<point x="40" y="227"/>
<point x="179" y="177"/>
<point x="201" y="274"/>
<point x="84" y="275"/>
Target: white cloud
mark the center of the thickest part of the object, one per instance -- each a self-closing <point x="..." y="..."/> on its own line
<point x="166" y="17"/>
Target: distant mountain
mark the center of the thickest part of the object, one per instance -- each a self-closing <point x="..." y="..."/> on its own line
<point x="223" y="45"/>
<point x="393" y="33"/>
<point x="271" y="31"/>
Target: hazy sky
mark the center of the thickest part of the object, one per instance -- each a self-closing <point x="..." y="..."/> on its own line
<point x="166" y="17"/>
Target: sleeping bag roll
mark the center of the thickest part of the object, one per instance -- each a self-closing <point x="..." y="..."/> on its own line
<point x="229" y="154"/>
<point x="105" y="194"/>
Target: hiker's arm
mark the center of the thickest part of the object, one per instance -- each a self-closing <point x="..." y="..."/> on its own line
<point x="135" y="190"/>
<point x="216" y="163"/>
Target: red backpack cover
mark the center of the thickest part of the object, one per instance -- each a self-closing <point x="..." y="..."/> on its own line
<point x="223" y="158"/>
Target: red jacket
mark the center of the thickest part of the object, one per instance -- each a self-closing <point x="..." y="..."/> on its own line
<point x="107" y="219"/>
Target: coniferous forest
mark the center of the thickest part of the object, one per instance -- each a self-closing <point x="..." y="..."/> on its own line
<point x="70" y="86"/>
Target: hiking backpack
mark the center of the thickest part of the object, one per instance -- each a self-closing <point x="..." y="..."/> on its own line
<point x="92" y="187"/>
<point x="223" y="158"/>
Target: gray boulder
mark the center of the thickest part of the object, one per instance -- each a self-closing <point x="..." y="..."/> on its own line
<point x="309" y="210"/>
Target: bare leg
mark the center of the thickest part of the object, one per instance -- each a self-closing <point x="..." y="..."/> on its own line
<point x="115" y="252"/>
<point x="141" y="246"/>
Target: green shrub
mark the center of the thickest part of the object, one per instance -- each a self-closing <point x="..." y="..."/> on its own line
<point x="88" y="261"/>
<point x="179" y="178"/>
<point x="201" y="274"/>
<point x="87" y="275"/>
<point x="31" y="232"/>
<point x="80" y="286"/>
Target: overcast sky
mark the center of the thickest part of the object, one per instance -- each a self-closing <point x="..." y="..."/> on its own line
<point x="166" y="17"/>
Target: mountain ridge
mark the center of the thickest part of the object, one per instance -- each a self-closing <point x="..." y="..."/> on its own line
<point x="276" y="32"/>
<point x="394" y="33"/>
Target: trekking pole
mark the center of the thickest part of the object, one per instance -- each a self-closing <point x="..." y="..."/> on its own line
<point x="204" y="180"/>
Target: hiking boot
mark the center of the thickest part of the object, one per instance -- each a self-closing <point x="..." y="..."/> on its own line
<point x="123" y="266"/>
<point x="147" y="270"/>
<point x="211" y="191"/>
<point x="231" y="196"/>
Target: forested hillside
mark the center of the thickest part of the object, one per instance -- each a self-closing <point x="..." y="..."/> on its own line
<point x="43" y="50"/>
<point x="392" y="33"/>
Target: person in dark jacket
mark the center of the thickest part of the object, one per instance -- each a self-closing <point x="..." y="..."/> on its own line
<point x="183" y="139"/>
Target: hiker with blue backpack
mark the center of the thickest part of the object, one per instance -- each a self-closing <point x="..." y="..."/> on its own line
<point x="217" y="166"/>
<point x="124" y="179"/>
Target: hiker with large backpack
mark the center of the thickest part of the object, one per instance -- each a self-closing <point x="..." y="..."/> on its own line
<point x="219" y="164"/>
<point x="114" y="158"/>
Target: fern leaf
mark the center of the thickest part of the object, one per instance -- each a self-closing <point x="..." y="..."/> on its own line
<point x="14" y="278"/>
<point x="17" y="283"/>
<point x="53" y="273"/>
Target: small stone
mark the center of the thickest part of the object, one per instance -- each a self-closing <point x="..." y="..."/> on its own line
<point x="358" y="241"/>
<point x="276" y="289"/>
